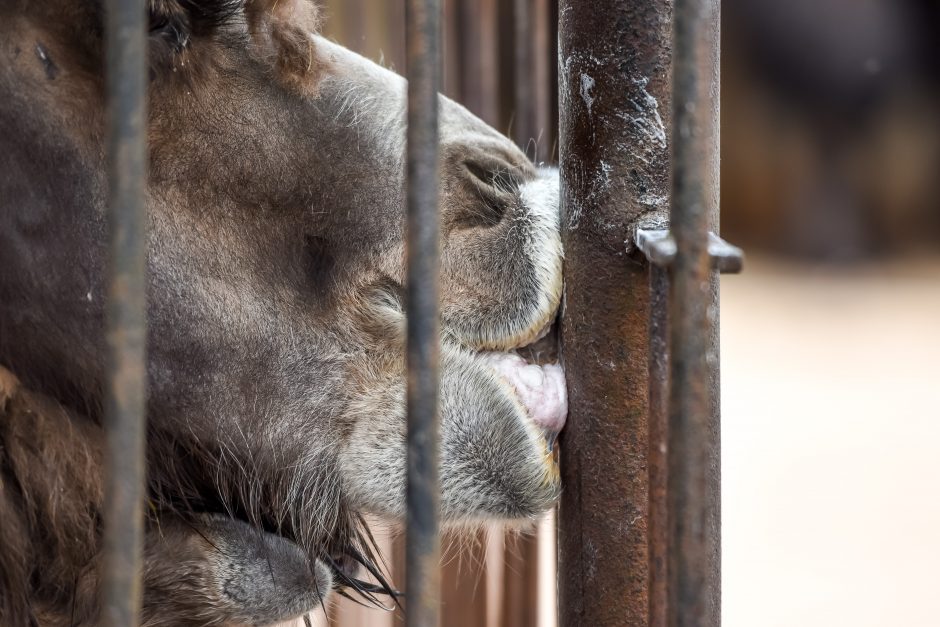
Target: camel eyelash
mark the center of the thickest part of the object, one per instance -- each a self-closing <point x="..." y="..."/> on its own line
<point x="170" y="31"/>
<point x="176" y="21"/>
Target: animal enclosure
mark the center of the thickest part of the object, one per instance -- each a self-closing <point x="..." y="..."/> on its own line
<point x="637" y="102"/>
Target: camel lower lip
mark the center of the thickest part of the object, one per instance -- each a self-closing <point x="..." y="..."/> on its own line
<point x="540" y="389"/>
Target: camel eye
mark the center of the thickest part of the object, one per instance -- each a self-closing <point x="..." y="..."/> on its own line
<point x="169" y="29"/>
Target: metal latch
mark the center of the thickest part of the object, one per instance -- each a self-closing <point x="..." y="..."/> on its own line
<point x="659" y="247"/>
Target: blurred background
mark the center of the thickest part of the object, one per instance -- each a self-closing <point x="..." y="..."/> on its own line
<point x="830" y="338"/>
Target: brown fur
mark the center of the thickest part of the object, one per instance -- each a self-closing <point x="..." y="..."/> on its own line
<point x="50" y="502"/>
<point x="275" y="345"/>
<point x="50" y="497"/>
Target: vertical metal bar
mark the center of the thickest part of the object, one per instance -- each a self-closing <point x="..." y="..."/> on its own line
<point x="422" y="559"/>
<point x="451" y="83"/>
<point x="614" y="88"/>
<point x="506" y="35"/>
<point x="463" y="605"/>
<point x="553" y="112"/>
<point x="354" y="24"/>
<point x="658" y="446"/>
<point x="479" y="71"/>
<point x="125" y="393"/>
<point x="395" y="35"/>
<point x="530" y="118"/>
<point x="693" y="485"/>
<point x="712" y="104"/>
<point x="523" y="98"/>
<point x="542" y="60"/>
<point x="520" y="577"/>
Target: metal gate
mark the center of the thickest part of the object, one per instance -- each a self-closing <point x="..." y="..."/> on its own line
<point x="639" y="530"/>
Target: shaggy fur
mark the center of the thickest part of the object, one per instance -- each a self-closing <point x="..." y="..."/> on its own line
<point x="50" y="496"/>
<point x="199" y="570"/>
<point x="276" y="346"/>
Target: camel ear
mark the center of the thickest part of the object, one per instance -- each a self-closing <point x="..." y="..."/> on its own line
<point x="217" y="570"/>
<point x="283" y="30"/>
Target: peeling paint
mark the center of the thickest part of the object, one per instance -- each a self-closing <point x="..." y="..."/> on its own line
<point x="587" y="84"/>
<point x="574" y="209"/>
<point x="648" y="121"/>
<point x="653" y="200"/>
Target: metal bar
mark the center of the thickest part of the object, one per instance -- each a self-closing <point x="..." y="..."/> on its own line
<point x="521" y="579"/>
<point x="479" y="68"/>
<point x="614" y="90"/>
<point x="543" y="60"/>
<point x="422" y="551"/>
<point x="125" y="388"/>
<point x="658" y="446"/>
<point x="463" y="605"/>
<point x="693" y="484"/>
<point x="451" y="83"/>
<point x="532" y="128"/>
<point x="659" y="247"/>
<point x="712" y="105"/>
<point x="523" y="80"/>
<point x="530" y="115"/>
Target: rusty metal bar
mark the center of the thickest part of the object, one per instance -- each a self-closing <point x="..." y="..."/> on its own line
<point x="125" y="388"/>
<point x="532" y="107"/>
<point x="658" y="446"/>
<point x="614" y="89"/>
<point x="543" y="59"/>
<point x="523" y="80"/>
<point x="693" y="452"/>
<point x="479" y="67"/>
<point x="422" y="551"/>
<point x="659" y="248"/>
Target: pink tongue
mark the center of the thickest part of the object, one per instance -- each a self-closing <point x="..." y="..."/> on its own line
<point x="540" y="388"/>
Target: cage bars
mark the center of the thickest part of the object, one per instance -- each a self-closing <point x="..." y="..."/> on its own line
<point x="640" y="533"/>
<point x="126" y="378"/>
<point x="694" y="475"/>
<point x="614" y="58"/>
<point x="641" y="322"/>
<point x="422" y="548"/>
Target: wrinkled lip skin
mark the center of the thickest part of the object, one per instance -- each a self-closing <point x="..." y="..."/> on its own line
<point x="540" y="388"/>
<point x="537" y="380"/>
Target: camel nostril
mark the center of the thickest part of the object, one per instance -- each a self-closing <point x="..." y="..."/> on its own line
<point x="499" y="176"/>
<point x="494" y="189"/>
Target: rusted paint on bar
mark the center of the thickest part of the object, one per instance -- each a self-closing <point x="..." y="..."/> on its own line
<point x="125" y="393"/>
<point x="658" y="446"/>
<point x="693" y="486"/>
<point x="614" y="89"/>
<point x="422" y="552"/>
